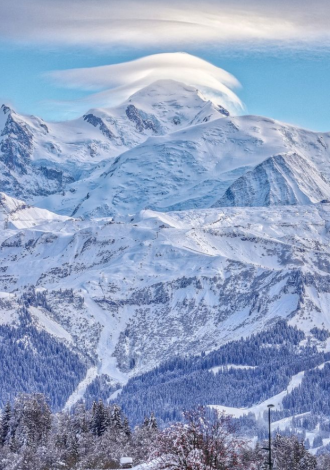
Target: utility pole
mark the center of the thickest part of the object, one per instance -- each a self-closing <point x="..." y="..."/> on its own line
<point x="269" y="448"/>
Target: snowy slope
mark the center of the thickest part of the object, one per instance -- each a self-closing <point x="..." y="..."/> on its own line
<point x="131" y="294"/>
<point x="165" y="148"/>
<point x="259" y="410"/>
<point x="16" y="214"/>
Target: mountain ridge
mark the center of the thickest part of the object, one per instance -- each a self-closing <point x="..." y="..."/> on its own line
<point x="196" y="166"/>
<point x="280" y="180"/>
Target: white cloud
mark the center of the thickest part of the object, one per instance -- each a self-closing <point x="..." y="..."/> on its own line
<point x="115" y="83"/>
<point x="160" y="23"/>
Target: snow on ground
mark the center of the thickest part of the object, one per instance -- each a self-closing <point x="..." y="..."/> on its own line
<point x="152" y="270"/>
<point x="49" y="325"/>
<point x="216" y="369"/>
<point x="115" y="394"/>
<point x="107" y="342"/>
<point x="15" y="214"/>
<point x="9" y="307"/>
<point x="196" y="165"/>
<point x="80" y="390"/>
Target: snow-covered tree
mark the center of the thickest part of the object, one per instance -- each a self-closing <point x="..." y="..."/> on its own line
<point x="31" y="420"/>
<point x="290" y="453"/>
<point x="98" y="424"/>
<point x="323" y="462"/>
<point x="35" y="439"/>
<point x="201" y="443"/>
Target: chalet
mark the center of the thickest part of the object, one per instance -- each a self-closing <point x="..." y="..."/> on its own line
<point x="126" y="462"/>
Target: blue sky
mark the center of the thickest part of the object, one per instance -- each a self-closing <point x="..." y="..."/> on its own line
<point x="280" y="57"/>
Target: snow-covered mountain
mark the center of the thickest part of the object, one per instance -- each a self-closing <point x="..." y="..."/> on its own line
<point x="17" y="214"/>
<point x="39" y="158"/>
<point x="280" y="180"/>
<point x="131" y="294"/>
<point x="162" y="227"/>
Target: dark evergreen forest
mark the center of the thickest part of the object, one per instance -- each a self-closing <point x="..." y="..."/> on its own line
<point x="34" y="361"/>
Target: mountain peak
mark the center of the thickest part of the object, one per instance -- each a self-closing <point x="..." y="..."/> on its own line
<point x="284" y="179"/>
<point x="7" y="110"/>
<point x="8" y="204"/>
<point x="184" y="104"/>
<point x="170" y="91"/>
<point x="166" y="88"/>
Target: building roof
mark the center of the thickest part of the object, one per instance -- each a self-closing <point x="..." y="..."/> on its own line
<point x="126" y="460"/>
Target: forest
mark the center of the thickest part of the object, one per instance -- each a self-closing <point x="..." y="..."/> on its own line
<point x="265" y="363"/>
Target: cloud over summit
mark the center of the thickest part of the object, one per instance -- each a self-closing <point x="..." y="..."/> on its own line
<point x="112" y="84"/>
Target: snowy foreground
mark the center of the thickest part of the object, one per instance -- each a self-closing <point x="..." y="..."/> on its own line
<point x="100" y="438"/>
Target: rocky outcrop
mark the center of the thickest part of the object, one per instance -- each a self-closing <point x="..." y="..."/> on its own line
<point x="97" y="122"/>
<point x="140" y="119"/>
<point x="17" y="143"/>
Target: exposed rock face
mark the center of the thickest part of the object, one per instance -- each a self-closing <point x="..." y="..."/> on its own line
<point x="226" y="162"/>
<point x="140" y="119"/>
<point x="97" y="122"/>
<point x="34" y="154"/>
<point x="20" y="175"/>
<point x="17" y="143"/>
<point x="223" y="111"/>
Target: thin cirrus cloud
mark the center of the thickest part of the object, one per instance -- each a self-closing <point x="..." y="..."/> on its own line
<point x="111" y="84"/>
<point x="160" y="23"/>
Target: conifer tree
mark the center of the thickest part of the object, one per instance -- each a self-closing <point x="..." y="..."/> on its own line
<point x="98" y="419"/>
<point x="126" y="427"/>
<point x="153" y="422"/>
<point x="5" y="424"/>
<point x="116" y="418"/>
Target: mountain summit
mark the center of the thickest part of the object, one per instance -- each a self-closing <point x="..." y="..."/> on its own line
<point x="39" y="158"/>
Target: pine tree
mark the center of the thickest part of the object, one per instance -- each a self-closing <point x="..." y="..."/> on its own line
<point x="153" y="422"/>
<point x="116" y="418"/>
<point x="80" y="420"/>
<point x="5" y="424"/>
<point x="126" y="427"/>
<point x="98" y="419"/>
<point x="31" y="420"/>
<point x="146" y="422"/>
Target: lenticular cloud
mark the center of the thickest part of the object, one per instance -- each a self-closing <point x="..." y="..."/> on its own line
<point x="112" y="84"/>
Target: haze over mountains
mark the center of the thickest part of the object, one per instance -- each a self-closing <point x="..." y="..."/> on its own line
<point x="161" y="228"/>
